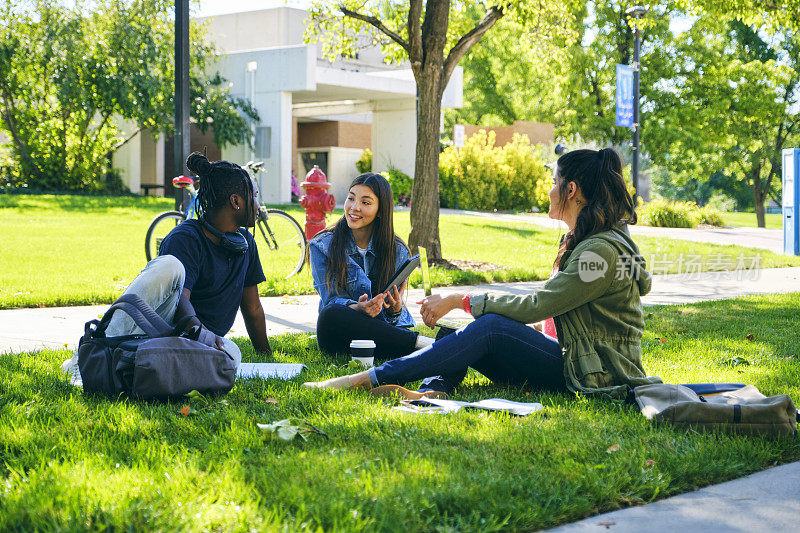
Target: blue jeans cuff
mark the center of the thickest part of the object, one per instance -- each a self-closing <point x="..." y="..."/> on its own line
<point x="373" y="377"/>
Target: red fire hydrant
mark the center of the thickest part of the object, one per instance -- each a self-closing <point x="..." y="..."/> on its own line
<point x="316" y="201"/>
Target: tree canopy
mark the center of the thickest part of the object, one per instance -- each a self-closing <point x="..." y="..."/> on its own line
<point x="729" y="104"/>
<point x="511" y="75"/>
<point x="718" y="100"/>
<point x="69" y="73"/>
<point x="433" y="37"/>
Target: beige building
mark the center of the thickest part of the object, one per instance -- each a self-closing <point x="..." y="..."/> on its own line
<point x="311" y="111"/>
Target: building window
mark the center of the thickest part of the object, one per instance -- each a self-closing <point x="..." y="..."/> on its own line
<point x="262" y="142"/>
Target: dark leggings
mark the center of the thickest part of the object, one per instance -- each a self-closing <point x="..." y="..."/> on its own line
<point x="338" y="324"/>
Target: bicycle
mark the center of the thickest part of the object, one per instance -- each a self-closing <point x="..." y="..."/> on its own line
<point x="282" y="234"/>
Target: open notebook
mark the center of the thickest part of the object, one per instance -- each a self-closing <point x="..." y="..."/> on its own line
<point x="433" y="405"/>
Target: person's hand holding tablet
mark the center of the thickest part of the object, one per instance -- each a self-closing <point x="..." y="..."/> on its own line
<point x="394" y="299"/>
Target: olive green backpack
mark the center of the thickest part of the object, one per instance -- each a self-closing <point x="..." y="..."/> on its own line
<point x="744" y="410"/>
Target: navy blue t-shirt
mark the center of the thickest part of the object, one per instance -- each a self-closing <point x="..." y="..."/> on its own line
<point x="216" y="276"/>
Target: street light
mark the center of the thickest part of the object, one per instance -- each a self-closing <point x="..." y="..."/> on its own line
<point x="635" y="12"/>
<point x="181" y="126"/>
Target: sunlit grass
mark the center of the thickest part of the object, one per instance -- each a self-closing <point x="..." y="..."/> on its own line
<point x="748" y="220"/>
<point x="68" y="461"/>
<point x="77" y="250"/>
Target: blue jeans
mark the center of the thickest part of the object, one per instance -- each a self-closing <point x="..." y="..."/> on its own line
<point x="502" y="349"/>
<point x="160" y="285"/>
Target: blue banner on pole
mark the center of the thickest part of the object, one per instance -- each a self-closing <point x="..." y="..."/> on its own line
<point x="624" y="96"/>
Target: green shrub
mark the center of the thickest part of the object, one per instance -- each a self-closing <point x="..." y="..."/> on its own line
<point x="722" y="202"/>
<point x="669" y="214"/>
<point x="710" y="216"/>
<point x="401" y="185"/>
<point x="672" y="214"/>
<point x="364" y="163"/>
<point x="485" y="177"/>
<point x="541" y="195"/>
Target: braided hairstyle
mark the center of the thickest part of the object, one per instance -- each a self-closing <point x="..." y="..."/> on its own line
<point x="598" y="173"/>
<point x="218" y="181"/>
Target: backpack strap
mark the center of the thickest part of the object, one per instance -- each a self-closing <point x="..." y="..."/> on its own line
<point x="206" y="336"/>
<point x="142" y="314"/>
<point x="180" y="325"/>
<point x="196" y="333"/>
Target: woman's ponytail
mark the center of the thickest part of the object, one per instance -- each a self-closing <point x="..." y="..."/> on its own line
<point x="608" y="202"/>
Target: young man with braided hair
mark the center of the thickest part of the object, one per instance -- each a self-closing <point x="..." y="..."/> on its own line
<point x="206" y="268"/>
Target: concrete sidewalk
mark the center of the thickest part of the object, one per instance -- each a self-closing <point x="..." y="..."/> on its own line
<point x="765" y="501"/>
<point x="61" y="327"/>
<point x="767" y="239"/>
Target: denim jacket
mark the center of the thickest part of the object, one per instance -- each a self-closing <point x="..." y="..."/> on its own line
<point x="359" y="280"/>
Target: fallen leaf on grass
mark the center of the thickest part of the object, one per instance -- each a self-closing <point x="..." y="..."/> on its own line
<point x="735" y="361"/>
<point x="283" y="429"/>
<point x="287" y="431"/>
<point x="613" y="448"/>
<point x="186" y="410"/>
<point x="270" y="400"/>
<point x="649" y="463"/>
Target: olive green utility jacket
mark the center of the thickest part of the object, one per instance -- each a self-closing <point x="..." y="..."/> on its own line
<point x="595" y="304"/>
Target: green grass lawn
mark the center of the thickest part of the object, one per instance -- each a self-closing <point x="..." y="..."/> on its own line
<point x="78" y="250"/>
<point x="748" y="220"/>
<point x="72" y="462"/>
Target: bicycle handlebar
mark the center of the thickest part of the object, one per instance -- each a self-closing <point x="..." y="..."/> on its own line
<point x="255" y="166"/>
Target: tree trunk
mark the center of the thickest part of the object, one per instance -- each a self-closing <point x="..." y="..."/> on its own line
<point x="760" y="217"/>
<point x="425" y="48"/>
<point x="425" y="190"/>
<point x="758" y="198"/>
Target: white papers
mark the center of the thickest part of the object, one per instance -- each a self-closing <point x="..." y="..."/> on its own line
<point x="433" y="405"/>
<point x="515" y="408"/>
<point x="269" y="370"/>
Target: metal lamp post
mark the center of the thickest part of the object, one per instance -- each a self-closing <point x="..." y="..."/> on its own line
<point x="636" y="12"/>
<point x="181" y="131"/>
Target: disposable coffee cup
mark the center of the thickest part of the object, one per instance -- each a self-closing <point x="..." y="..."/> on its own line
<point x="361" y="351"/>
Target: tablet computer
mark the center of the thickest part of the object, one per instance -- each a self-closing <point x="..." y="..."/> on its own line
<point x="403" y="272"/>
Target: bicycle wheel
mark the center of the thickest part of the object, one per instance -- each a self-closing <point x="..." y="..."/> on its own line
<point x="286" y="246"/>
<point x="159" y="227"/>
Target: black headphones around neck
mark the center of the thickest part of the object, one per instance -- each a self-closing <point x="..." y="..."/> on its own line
<point x="233" y="242"/>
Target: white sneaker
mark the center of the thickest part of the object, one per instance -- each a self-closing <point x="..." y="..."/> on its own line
<point x="70" y="367"/>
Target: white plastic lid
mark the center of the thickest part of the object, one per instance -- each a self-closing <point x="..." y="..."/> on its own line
<point x="362" y="344"/>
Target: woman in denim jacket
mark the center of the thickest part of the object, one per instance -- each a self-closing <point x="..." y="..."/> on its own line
<point x="353" y="259"/>
<point x="593" y="298"/>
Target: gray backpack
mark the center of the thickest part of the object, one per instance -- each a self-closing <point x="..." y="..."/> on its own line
<point x="163" y="363"/>
<point x="744" y="410"/>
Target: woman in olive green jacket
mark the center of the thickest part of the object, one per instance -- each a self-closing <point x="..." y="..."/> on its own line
<point x="593" y="298"/>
